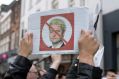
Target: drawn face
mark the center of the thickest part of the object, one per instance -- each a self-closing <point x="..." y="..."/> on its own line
<point x="56" y="34"/>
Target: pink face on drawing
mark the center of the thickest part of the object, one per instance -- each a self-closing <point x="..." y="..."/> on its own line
<point x="56" y="33"/>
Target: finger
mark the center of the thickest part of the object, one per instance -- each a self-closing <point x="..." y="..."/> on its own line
<point x="27" y="38"/>
<point x="92" y="37"/>
<point x="28" y="35"/>
<point x="31" y="35"/>
<point x="90" y="32"/>
<point x="82" y="32"/>
<point x="22" y="41"/>
<point x="22" y="44"/>
<point x="25" y="35"/>
<point x="30" y="38"/>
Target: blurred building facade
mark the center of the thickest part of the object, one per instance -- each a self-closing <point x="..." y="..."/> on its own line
<point x="4" y="38"/>
<point x="110" y="11"/>
<point x="4" y="31"/>
<point x="9" y="32"/>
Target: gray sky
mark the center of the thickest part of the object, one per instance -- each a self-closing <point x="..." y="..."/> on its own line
<point x="5" y="1"/>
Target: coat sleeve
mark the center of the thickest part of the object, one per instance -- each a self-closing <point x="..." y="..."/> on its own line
<point x="89" y="72"/>
<point x="73" y="70"/>
<point x="51" y="74"/>
<point x="83" y="71"/>
<point x="19" y="69"/>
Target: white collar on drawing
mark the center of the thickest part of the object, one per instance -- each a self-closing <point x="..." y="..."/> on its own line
<point x="58" y="45"/>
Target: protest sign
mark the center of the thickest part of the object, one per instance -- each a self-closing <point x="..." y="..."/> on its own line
<point x="57" y="31"/>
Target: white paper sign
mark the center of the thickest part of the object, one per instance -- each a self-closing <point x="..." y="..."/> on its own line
<point x="49" y="38"/>
<point x="98" y="56"/>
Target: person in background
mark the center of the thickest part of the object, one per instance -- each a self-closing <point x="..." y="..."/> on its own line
<point x="33" y="73"/>
<point x="110" y="74"/>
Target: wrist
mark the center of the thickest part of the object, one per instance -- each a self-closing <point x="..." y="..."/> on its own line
<point x="56" y="62"/>
<point x="22" y="54"/>
<point x="55" y="65"/>
<point x="84" y="57"/>
<point x="87" y="61"/>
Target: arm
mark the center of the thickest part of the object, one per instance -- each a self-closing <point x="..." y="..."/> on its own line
<point x="83" y="71"/>
<point x="19" y="69"/>
<point x="83" y="66"/>
<point x="21" y="66"/>
<point x="87" y="71"/>
<point x="52" y="72"/>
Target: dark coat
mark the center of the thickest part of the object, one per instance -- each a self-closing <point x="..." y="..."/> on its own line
<point x="21" y="66"/>
<point x="83" y="71"/>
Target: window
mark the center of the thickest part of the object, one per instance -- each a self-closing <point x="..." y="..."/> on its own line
<point x="23" y="7"/>
<point x="5" y="25"/>
<point x="30" y="4"/>
<point x="55" y="4"/>
<point x="82" y="3"/>
<point x="16" y="39"/>
<point x="71" y="3"/>
<point x="38" y="10"/>
<point x="38" y="1"/>
<point x="4" y="44"/>
<point x="118" y="51"/>
<point x="12" y="41"/>
<point x="21" y="30"/>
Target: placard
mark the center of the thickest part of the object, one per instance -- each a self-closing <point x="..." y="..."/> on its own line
<point x="57" y="31"/>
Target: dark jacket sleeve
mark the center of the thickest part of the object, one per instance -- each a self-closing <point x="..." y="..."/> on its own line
<point x="83" y="71"/>
<point x="51" y="74"/>
<point x="19" y="69"/>
<point x="73" y="70"/>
